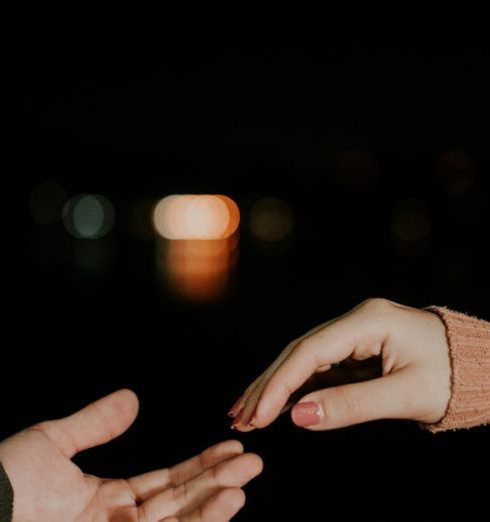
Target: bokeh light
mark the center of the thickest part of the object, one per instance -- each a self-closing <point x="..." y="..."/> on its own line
<point x="197" y="270"/>
<point x="271" y="219"/>
<point x="202" y="217"/>
<point x="410" y="221"/>
<point x="456" y="172"/>
<point x="88" y="216"/>
<point x="46" y="202"/>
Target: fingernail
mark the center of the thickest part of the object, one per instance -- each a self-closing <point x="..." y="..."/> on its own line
<point x="233" y="412"/>
<point x="306" y="414"/>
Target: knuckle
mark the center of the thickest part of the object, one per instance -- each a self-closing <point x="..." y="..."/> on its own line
<point x="179" y="493"/>
<point x="302" y="347"/>
<point x="44" y="426"/>
<point x="376" y="303"/>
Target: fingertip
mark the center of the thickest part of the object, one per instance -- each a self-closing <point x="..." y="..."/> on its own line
<point x="255" y="463"/>
<point x="128" y="398"/>
<point x="262" y="416"/>
<point x="237" y="497"/>
<point x="238" y="470"/>
<point x="244" y="428"/>
<point x="234" y="410"/>
<point x="232" y="500"/>
<point x="240" y="499"/>
<point x="234" y="446"/>
<point x="224" y="505"/>
<point x="223" y="450"/>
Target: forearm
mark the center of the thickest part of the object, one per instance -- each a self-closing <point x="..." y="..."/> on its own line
<point x="6" y="497"/>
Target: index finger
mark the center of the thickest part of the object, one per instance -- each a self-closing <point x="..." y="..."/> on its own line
<point x="325" y="347"/>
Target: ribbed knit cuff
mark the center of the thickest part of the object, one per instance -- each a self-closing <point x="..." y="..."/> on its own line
<point x="469" y="350"/>
<point x="6" y="497"/>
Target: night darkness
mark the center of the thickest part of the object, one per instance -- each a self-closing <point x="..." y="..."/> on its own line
<point x="381" y="151"/>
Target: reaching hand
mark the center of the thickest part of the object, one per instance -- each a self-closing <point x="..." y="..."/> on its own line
<point x="415" y="381"/>
<point x="49" y="487"/>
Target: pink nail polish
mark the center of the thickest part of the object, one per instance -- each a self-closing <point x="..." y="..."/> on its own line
<point x="306" y="414"/>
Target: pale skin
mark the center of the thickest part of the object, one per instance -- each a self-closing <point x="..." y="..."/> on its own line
<point x="49" y="486"/>
<point x="414" y="384"/>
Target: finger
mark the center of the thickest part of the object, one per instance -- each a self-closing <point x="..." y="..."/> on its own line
<point x="188" y="496"/>
<point x="235" y="409"/>
<point x="327" y="346"/>
<point x="97" y="423"/>
<point x="257" y="386"/>
<point x="221" y="507"/>
<point x="147" y="485"/>
<point x="383" y="398"/>
<point x="247" y="403"/>
<point x="268" y="400"/>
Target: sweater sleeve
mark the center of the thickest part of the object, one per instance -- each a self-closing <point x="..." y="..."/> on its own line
<point x="6" y="497"/>
<point x="469" y="349"/>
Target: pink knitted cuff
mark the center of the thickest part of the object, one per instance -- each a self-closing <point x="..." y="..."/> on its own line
<point x="469" y="349"/>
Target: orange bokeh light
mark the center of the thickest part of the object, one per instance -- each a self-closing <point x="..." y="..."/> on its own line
<point x="196" y="217"/>
<point x="198" y="271"/>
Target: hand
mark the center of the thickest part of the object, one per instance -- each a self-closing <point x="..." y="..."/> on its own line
<point x="415" y="380"/>
<point x="48" y="486"/>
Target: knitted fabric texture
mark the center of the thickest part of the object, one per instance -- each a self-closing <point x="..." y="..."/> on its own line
<point x="469" y="349"/>
<point x="6" y="497"/>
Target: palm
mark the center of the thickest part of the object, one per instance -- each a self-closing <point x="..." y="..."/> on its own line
<point x="49" y="486"/>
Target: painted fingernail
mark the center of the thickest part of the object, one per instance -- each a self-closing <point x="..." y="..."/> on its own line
<point x="306" y="414"/>
<point x="233" y="410"/>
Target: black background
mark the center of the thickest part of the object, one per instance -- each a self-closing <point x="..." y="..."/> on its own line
<point x="191" y="112"/>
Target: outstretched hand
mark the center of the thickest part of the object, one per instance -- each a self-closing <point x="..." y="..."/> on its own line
<point x="414" y="381"/>
<point x="48" y="486"/>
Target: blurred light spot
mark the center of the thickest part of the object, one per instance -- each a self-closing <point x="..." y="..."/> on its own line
<point x="358" y="170"/>
<point x="46" y="202"/>
<point x="88" y="216"/>
<point x="233" y="215"/>
<point x="271" y="219"/>
<point x="196" y="217"/>
<point x="197" y="270"/>
<point x="455" y="171"/>
<point x="410" y="222"/>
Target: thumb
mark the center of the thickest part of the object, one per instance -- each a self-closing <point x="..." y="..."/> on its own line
<point x="382" y="398"/>
<point x="97" y="423"/>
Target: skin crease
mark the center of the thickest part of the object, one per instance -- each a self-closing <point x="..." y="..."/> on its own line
<point x="415" y="379"/>
<point x="48" y="486"/>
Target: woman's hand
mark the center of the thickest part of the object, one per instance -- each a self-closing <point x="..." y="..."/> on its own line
<point x="415" y="380"/>
<point x="48" y="486"/>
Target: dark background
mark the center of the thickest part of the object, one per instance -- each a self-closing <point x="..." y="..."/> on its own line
<point x="380" y="146"/>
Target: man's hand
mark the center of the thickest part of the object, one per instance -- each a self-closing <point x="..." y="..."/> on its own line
<point x="48" y="487"/>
